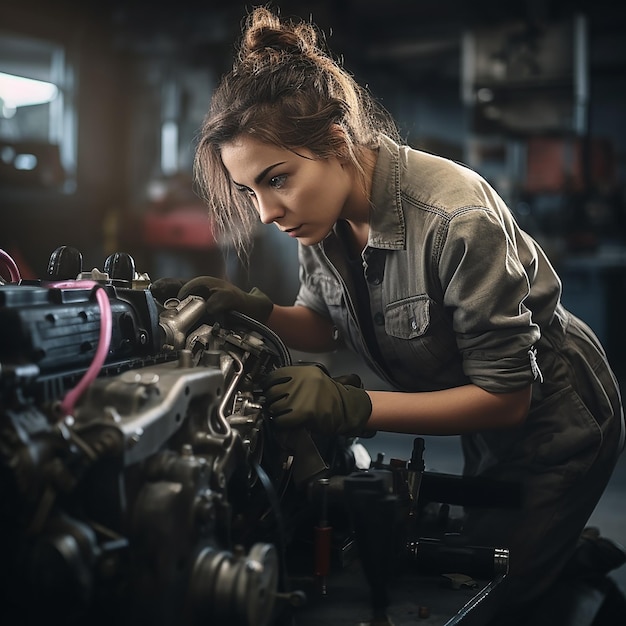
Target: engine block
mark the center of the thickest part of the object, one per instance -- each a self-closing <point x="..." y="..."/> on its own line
<point x="156" y="496"/>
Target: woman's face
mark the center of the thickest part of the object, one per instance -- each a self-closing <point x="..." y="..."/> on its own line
<point x="303" y="195"/>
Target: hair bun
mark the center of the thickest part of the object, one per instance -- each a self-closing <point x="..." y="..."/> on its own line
<point x="265" y="32"/>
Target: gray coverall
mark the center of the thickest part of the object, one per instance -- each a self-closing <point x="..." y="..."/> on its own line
<point x="459" y="294"/>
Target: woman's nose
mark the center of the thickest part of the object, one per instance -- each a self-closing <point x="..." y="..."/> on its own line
<point x="269" y="210"/>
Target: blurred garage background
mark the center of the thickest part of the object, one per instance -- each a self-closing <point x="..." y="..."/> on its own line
<point x="96" y="148"/>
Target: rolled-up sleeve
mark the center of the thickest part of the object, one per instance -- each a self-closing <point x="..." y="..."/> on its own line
<point x="485" y="289"/>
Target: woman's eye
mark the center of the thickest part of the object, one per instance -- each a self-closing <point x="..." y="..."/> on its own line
<point x="245" y="190"/>
<point x="277" y="181"/>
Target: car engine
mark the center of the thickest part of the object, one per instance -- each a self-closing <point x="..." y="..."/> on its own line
<point x="141" y="482"/>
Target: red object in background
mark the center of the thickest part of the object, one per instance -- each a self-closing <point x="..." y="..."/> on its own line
<point x="25" y="270"/>
<point x="557" y="165"/>
<point x="182" y="228"/>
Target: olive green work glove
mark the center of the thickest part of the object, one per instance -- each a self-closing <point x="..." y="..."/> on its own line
<point x="220" y="295"/>
<point x="304" y="395"/>
<point x="165" y="288"/>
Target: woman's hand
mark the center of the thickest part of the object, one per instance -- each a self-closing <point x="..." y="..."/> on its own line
<point x="221" y="296"/>
<point x="304" y="395"/>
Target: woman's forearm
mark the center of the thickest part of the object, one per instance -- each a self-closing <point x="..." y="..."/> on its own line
<point x="302" y="328"/>
<point x="447" y="412"/>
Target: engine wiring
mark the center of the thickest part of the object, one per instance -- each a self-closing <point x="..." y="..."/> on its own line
<point x="8" y="263"/>
<point x="106" y="327"/>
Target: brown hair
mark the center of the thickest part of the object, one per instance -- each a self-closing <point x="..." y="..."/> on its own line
<point x="285" y="89"/>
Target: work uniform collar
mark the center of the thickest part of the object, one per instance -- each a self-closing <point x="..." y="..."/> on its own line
<point x="387" y="228"/>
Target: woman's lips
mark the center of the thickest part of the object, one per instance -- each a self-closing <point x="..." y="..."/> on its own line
<point x="292" y="232"/>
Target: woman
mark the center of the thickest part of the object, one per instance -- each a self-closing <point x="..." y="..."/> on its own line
<point x="416" y="264"/>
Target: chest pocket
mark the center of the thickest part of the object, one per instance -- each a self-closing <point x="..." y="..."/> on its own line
<point x="408" y="319"/>
<point x="425" y="341"/>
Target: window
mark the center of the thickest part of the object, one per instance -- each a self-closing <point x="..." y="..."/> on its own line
<point x="37" y="115"/>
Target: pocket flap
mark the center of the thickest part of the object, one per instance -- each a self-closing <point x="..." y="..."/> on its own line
<point x="408" y="318"/>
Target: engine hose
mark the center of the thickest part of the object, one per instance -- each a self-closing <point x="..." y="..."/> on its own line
<point x="268" y="334"/>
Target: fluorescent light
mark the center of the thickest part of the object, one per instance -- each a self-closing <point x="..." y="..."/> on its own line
<point x="17" y="91"/>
